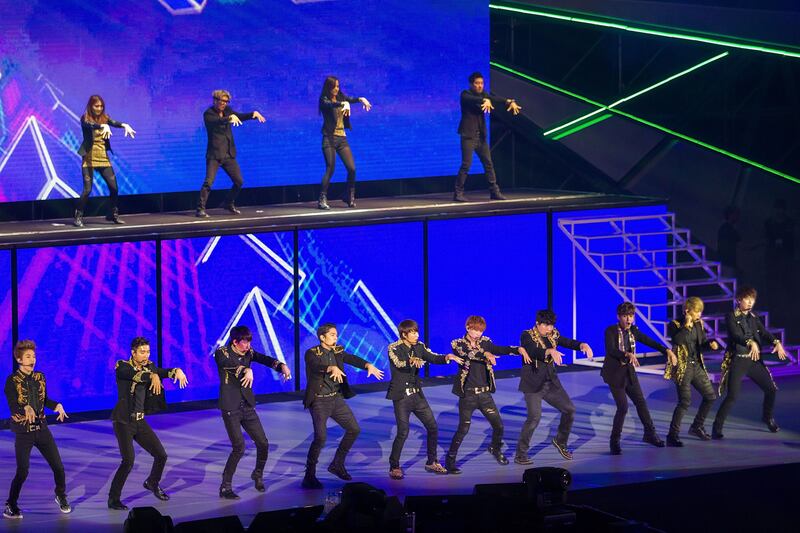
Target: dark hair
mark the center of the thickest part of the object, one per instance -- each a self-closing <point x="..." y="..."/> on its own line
<point x="23" y="346"/>
<point x="746" y="291"/>
<point x="478" y="322"/>
<point x="474" y="76"/>
<point x="325" y="328"/>
<point x="626" y="308"/>
<point x="327" y="87"/>
<point x="88" y="115"/>
<point x="241" y="333"/>
<point x="139" y="341"/>
<point x="546" y="316"/>
<point x="407" y="326"/>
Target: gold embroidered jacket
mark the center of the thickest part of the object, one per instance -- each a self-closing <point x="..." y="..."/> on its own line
<point x="18" y="389"/>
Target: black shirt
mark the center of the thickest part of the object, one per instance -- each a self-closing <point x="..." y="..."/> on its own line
<point x="21" y="390"/>
<point x="476" y="378"/>
<point x="329" y="386"/>
<point x="473" y="119"/>
<point x="220" y="133"/>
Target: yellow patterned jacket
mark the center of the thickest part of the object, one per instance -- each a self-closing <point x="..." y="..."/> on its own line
<point x="18" y="389"/>
<point x="684" y="343"/>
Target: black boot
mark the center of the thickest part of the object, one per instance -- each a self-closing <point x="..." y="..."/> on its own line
<point x="114" y="217"/>
<point x="337" y="469"/>
<point x="258" y="477"/>
<point x="674" y="441"/>
<point x="771" y="424"/>
<point x="495" y="194"/>
<point x="651" y="438"/>
<point x="450" y="464"/>
<point x="614" y="445"/>
<point x="323" y="202"/>
<point x="78" y="222"/>
<point x="157" y="491"/>
<point x="699" y="432"/>
<point x="226" y="492"/>
<point x="310" y="480"/>
<point x="498" y="455"/>
<point x="114" y="503"/>
<point x="350" y="197"/>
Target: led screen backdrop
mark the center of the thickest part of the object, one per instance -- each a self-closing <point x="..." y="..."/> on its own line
<point x="495" y="267"/>
<point x="156" y="62"/>
<point x="5" y="322"/>
<point x="212" y="284"/>
<point x="364" y="279"/>
<point x="82" y="305"/>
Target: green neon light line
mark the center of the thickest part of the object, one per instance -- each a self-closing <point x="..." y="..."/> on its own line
<point x="580" y="127"/>
<point x="636" y="94"/>
<point x="651" y="124"/>
<point x="648" y="31"/>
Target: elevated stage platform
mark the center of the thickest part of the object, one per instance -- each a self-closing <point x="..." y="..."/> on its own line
<point x="282" y="217"/>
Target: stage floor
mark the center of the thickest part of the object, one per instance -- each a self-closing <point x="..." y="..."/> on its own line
<point x="198" y="447"/>
<point x="301" y="214"/>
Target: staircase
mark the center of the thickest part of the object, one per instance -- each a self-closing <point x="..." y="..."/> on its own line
<point x="651" y="262"/>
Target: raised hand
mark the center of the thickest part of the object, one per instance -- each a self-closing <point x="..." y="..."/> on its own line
<point x="336" y="374"/>
<point x="30" y="414"/>
<point x="235" y="121"/>
<point x="586" y="349"/>
<point x="180" y="378"/>
<point x="155" y="383"/>
<point x="247" y="378"/>
<point x="486" y="105"/>
<point x="129" y="132"/>
<point x="374" y="371"/>
<point x="346" y="109"/>
<point x="61" y="413"/>
<point x="259" y="117"/>
<point x="513" y="107"/>
<point x="525" y="357"/>
<point x="365" y="103"/>
<point x="105" y="131"/>
<point x="632" y="359"/>
<point x="450" y="357"/>
<point x="286" y="374"/>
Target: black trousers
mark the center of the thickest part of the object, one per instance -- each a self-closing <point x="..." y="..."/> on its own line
<point x="141" y="432"/>
<point x="480" y="147"/>
<point x="107" y="173"/>
<point x="231" y="168"/>
<point x="332" y="145"/>
<point x="322" y="409"/>
<point x="741" y="367"/>
<point x="695" y="377"/>
<point x="417" y="404"/>
<point x="244" y="417"/>
<point x="631" y="390"/>
<point x="466" y="406"/>
<point x="554" y="394"/>
<point x="44" y="442"/>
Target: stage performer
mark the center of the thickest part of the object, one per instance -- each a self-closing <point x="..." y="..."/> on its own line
<point x="26" y="393"/>
<point x="406" y="357"/>
<point x="326" y="391"/>
<point x="334" y="106"/>
<point x="619" y="372"/>
<point x="474" y="385"/>
<point x="96" y="129"/>
<point x="688" y="369"/>
<point x="237" y="403"/>
<point x="539" y="381"/>
<point x="746" y="336"/>
<point x="476" y="103"/>
<point x="139" y="393"/>
<point x="221" y="149"/>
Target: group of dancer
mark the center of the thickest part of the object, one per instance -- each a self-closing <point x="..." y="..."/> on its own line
<point x="335" y="108"/>
<point x="140" y="393"/>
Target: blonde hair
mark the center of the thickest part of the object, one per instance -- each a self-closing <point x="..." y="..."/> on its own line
<point x="23" y="346"/>
<point x="693" y="303"/>
<point x="219" y="93"/>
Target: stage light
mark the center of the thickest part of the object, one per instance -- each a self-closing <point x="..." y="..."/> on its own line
<point x="548" y="485"/>
<point x="147" y="520"/>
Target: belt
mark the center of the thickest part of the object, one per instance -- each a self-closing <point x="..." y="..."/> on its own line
<point x="137" y="416"/>
<point x="329" y="395"/>
<point x="30" y="428"/>
<point x="478" y="390"/>
<point x="412" y="390"/>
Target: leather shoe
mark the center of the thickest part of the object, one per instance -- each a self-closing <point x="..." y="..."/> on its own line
<point x="450" y="465"/>
<point x="156" y="490"/>
<point x="201" y="213"/>
<point x="717" y="435"/>
<point x="699" y="432"/>
<point x="459" y="197"/>
<point x="339" y="471"/>
<point x="232" y="209"/>
<point x="652" y="438"/>
<point x="310" y="481"/>
<point x="497" y="195"/>
<point x="616" y="449"/>
<point x="227" y="493"/>
<point x="772" y="425"/>
<point x="523" y="460"/>
<point x="498" y="455"/>
<point x="674" y="442"/>
<point x="116" y="505"/>
<point x="562" y="449"/>
<point x="257" y="477"/>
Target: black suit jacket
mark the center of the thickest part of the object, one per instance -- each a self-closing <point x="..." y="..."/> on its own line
<point x="316" y="370"/>
<point x="220" y="132"/>
<point x="328" y="109"/>
<point x="615" y="365"/>
<point x="473" y="119"/>
<point x="404" y="374"/>
<point x="87" y="129"/>
<point x="738" y="340"/>
<point x="462" y="348"/>
<point x="230" y="367"/>
<point x="17" y="394"/>
<point x="127" y="378"/>
<point x="541" y="368"/>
